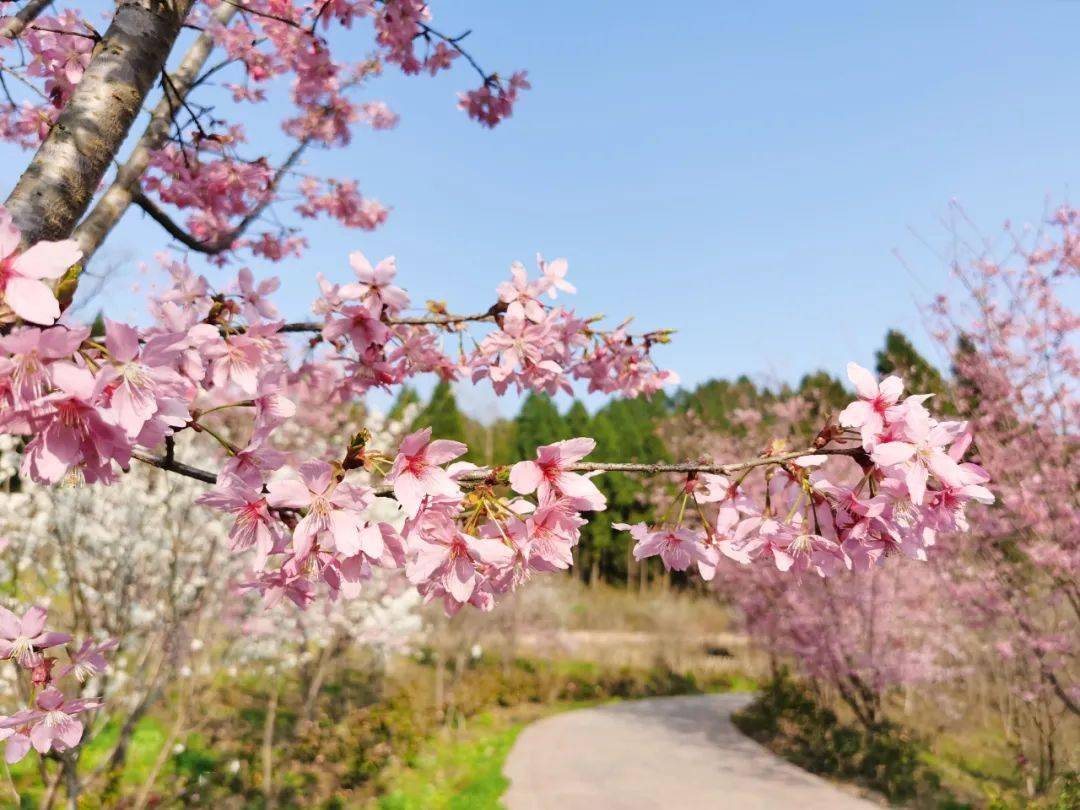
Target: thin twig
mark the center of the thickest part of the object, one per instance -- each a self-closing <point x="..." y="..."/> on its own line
<point x="225" y="241"/>
<point x="418" y="320"/>
<point x="176" y="467"/>
<point x="485" y="473"/>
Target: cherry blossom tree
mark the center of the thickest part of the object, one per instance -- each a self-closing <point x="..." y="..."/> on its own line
<point x="1012" y="334"/>
<point x="211" y="387"/>
<point x="993" y="621"/>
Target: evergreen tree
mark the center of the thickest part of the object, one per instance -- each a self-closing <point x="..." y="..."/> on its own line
<point x="441" y="414"/>
<point x="577" y="419"/>
<point x="898" y="356"/>
<point x="539" y="422"/>
<point x="406" y="397"/>
<point x="826" y="395"/>
<point x="625" y="430"/>
<point x="714" y="401"/>
<point x="968" y="389"/>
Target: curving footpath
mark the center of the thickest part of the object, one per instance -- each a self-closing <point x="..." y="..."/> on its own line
<point x="680" y="752"/>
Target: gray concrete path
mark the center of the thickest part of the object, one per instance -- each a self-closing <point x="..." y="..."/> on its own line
<point x="680" y="752"/>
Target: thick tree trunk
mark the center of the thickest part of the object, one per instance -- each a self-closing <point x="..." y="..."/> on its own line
<point x="118" y="197"/>
<point x="55" y="190"/>
<point x="13" y="26"/>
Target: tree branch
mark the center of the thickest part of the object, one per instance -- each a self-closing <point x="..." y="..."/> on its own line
<point x="115" y="201"/>
<point x="171" y="465"/>
<point x="13" y="26"/>
<point x="485" y="473"/>
<point x="224" y="242"/>
<point x="419" y="320"/>
<point x="159" y="216"/>
<point x="58" y="185"/>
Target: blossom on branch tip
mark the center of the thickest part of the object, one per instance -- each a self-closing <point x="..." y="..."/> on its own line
<point x="868" y="412"/>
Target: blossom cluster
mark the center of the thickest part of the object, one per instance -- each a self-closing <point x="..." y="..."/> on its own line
<point x="142" y="562"/>
<point x="456" y="546"/>
<point x="60" y="49"/>
<point x="912" y="484"/>
<point x="51" y="722"/>
<point x="468" y="549"/>
<point x="202" y="170"/>
<point x="91" y="404"/>
<point x="89" y="401"/>
<point x="543" y="348"/>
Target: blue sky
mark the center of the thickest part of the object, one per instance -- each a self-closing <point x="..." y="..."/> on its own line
<point x="743" y="173"/>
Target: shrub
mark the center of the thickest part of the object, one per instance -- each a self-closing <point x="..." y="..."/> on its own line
<point x="789" y="720"/>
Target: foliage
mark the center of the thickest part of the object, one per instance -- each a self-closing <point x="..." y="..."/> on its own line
<point x="457" y="770"/>
<point x="789" y="720"/>
<point x="377" y="735"/>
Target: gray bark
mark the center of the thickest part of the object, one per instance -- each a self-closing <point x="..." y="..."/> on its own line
<point x="119" y="196"/>
<point x="55" y="190"/>
<point x="14" y="26"/>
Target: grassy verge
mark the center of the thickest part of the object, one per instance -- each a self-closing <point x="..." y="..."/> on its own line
<point x="459" y="769"/>
<point x="462" y="768"/>
<point x="416" y="738"/>
<point x="943" y="773"/>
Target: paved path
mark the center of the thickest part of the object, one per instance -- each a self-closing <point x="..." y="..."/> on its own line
<point x="680" y="752"/>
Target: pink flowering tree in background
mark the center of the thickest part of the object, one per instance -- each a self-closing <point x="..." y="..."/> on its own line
<point x="993" y="622"/>
<point x="1016" y="368"/>
<point x="211" y="388"/>
<point x="854" y="626"/>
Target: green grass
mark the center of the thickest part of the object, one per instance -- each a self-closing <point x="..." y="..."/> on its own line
<point x="143" y="749"/>
<point x="459" y="770"/>
<point x="463" y="769"/>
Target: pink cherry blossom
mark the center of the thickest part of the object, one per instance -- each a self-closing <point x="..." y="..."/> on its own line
<point x="554" y="273"/>
<point x="15" y="730"/>
<point x="88" y="660"/>
<point x="141" y="383"/>
<point x="520" y="296"/>
<point x="21" y="273"/>
<point x="922" y="455"/>
<point x="549" y="535"/>
<point x="22" y="638"/>
<point x="254" y="296"/>
<point x="360" y="324"/>
<point x="550" y="475"/>
<point x="71" y="432"/>
<point x="254" y="525"/>
<point x="454" y="559"/>
<point x="31" y="351"/>
<point x="417" y="471"/>
<point x="679" y="548"/>
<point x="375" y="284"/>
<point x="868" y="413"/>
<point x="55" y="724"/>
<point x="332" y="507"/>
